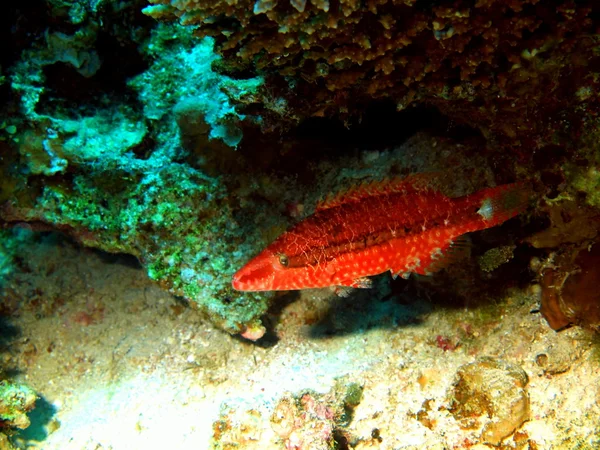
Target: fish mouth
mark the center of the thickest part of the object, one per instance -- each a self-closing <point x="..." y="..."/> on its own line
<point x="257" y="275"/>
<point x="239" y="282"/>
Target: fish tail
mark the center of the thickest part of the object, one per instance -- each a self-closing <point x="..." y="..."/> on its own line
<point x="498" y="204"/>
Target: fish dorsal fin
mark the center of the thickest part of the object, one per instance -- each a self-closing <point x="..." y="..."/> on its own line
<point x="459" y="249"/>
<point x="418" y="182"/>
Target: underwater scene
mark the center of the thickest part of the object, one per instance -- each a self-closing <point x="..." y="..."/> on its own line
<point x="300" y="225"/>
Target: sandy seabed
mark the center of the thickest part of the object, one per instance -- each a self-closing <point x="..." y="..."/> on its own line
<point x="120" y="364"/>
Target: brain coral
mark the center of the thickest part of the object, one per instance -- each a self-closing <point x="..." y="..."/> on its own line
<point x="490" y="63"/>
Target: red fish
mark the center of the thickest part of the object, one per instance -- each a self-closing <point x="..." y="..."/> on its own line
<point x="402" y="226"/>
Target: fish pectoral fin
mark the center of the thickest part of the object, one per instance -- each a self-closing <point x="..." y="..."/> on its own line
<point x="360" y="283"/>
<point x="342" y="291"/>
<point x="459" y="248"/>
<point x="399" y="273"/>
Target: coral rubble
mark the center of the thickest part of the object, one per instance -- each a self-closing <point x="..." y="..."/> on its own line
<point x="305" y="420"/>
<point x="491" y="394"/>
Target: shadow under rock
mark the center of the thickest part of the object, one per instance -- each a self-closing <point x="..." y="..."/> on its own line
<point x="367" y="309"/>
<point x="8" y="333"/>
<point x="122" y="259"/>
<point x="40" y="417"/>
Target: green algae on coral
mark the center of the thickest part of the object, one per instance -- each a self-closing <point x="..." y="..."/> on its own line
<point x="176" y="222"/>
<point x="15" y="401"/>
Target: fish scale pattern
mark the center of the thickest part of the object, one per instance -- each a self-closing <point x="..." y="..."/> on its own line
<point x="401" y="233"/>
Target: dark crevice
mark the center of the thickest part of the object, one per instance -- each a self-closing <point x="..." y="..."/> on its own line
<point x="379" y="127"/>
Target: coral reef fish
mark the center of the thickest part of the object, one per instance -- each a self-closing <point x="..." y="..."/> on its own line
<point x="404" y="226"/>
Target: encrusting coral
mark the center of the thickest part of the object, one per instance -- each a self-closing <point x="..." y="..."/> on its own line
<point x="518" y="70"/>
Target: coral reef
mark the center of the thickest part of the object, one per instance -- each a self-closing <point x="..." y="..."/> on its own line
<point x="150" y="220"/>
<point x="107" y="165"/>
<point x="120" y="131"/>
<point x="518" y="71"/>
<point x="192" y="141"/>
<point x="199" y="97"/>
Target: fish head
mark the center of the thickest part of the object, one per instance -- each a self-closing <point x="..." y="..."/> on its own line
<point x="270" y="270"/>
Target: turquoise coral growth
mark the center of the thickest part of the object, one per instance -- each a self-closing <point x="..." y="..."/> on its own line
<point x="115" y="171"/>
<point x="183" y="74"/>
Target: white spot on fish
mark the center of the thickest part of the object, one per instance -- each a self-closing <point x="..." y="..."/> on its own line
<point x="437" y="252"/>
<point x="487" y="209"/>
<point x="413" y="264"/>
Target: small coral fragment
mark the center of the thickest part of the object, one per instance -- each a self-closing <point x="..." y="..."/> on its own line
<point x="495" y="257"/>
<point x="254" y="333"/>
<point x="559" y="355"/>
<point x="491" y="394"/>
<point x="15" y="401"/>
<point x="312" y="420"/>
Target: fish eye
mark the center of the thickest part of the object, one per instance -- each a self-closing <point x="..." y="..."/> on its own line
<point x="283" y="260"/>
